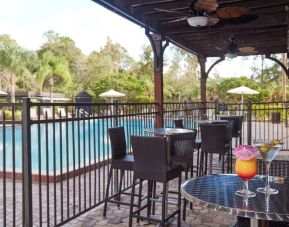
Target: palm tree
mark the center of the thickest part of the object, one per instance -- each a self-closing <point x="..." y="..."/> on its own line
<point x="11" y="61"/>
<point x="52" y="68"/>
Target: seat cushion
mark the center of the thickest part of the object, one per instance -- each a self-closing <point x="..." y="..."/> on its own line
<point x="124" y="163"/>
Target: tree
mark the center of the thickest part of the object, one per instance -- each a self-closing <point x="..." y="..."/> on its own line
<point x="226" y="84"/>
<point x="55" y="67"/>
<point x="135" y="90"/>
<point x="269" y="77"/>
<point x="144" y="67"/>
<point x="61" y="46"/>
<point x="180" y="78"/>
<point x="116" y="56"/>
<point x="12" y="63"/>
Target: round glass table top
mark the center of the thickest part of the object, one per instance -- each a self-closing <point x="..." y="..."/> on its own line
<point x="218" y="192"/>
<point x="167" y="131"/>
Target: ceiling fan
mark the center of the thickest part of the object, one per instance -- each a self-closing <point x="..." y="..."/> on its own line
<point x="206" y="13"/>
<point x="233" y="50"/>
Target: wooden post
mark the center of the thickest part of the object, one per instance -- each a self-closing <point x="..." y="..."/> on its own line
<point x="158" y="47"/>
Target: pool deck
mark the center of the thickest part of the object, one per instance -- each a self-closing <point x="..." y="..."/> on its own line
<point x="199" y="216"/>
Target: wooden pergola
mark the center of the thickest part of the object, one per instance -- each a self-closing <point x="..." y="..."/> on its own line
<point x="268" y="33"/>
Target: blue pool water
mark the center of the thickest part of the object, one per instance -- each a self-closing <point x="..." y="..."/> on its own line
<point x="84" y="142"/>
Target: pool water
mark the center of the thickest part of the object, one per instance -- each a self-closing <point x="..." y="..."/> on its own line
<point x="73" y="145"/>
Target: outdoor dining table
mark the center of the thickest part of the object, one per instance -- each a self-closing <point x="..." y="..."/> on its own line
<point x="166" y="132"/>
<point x="218" y="192"/>
<point x="210" y="121"/>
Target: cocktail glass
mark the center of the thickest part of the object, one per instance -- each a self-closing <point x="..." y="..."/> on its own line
<point x="246" y="169"/>
<point x="268" y="149"/>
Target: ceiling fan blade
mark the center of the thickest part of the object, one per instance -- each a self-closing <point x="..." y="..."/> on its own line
<point x="176" y="20"/>
<point x="247" y="50"/>
<point x="212" y="21"/>
<point x="219" y="48"/>
<point x="242" y="19"/>
<point x="169" y="11"/>
<point x="231" y="12"/>
<point x="206" y="5"/>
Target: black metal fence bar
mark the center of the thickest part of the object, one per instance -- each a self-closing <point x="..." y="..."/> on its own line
<point x="71" y="155"/>
<point x="10" y="187"/>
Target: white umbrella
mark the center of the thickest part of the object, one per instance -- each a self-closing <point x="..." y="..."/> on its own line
<point x="243" y="90"/>
<point x="3" y="93"/>
<point x="111" y="94"/>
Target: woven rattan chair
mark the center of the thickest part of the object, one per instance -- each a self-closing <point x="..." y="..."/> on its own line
<point x="120" y="161"/>
<point x="179" y="124"/>
<point x="151" y="164"/>
<point x="237" y="126"/>
<point x="216" y="139"/>
<point x="182" y="154"/>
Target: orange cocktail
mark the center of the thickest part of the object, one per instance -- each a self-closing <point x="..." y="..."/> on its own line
<point x="246" y="169"/>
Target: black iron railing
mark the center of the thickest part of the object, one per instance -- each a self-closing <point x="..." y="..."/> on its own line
<point x="54" y="157"/>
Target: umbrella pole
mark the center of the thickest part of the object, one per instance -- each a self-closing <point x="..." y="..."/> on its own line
<point x="242" y="104"/>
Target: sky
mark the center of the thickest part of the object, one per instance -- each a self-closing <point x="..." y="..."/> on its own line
<point x="89" y="25"/>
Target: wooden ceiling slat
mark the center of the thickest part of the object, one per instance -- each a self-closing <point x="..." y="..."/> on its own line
<point x="268" y="33"/>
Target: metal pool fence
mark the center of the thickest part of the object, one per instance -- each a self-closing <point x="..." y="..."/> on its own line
<point x="54" y="157"/>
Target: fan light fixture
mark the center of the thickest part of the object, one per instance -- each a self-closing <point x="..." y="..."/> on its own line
<point x="231" y="55"/>
<point x="197" y="21"/>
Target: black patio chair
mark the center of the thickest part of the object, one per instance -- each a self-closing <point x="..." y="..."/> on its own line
<point x="151" y="164"/>
<point x="182" y="154"/>
<point x="179" y="124"/>
<point x="216" y="139"/>
<point x="120" y="161"/>
<point x="237" y="127"/>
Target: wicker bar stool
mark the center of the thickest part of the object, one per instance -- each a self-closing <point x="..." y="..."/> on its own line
<point x="179" y="124"/>
<point x="151" y="164"/>
<point x="216" y="139"/>
<point x="237" y="126"/>
<point x="182" y="154"/>
<point x="120" y="161"/>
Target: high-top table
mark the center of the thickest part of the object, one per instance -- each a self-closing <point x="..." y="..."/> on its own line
<point x="166" y="131"/>
<point x="218" y="192"/>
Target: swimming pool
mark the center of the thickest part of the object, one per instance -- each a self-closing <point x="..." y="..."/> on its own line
<point x="61" y="147"/>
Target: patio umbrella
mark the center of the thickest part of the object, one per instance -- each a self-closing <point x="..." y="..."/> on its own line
<point x="3" y="93"/>
<point x="243" y="90"/>
<point x="111" y="94"/>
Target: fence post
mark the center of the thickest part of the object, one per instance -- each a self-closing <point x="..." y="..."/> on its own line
<point x="185" y="113"/>
<point x="115" y="124"/>
<point x="115" y="112"/>
<point x="249" y="125"/>
<point x="216" y="108"/>
<point x="286" y="115"/>
<point x="26" y="165"/>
